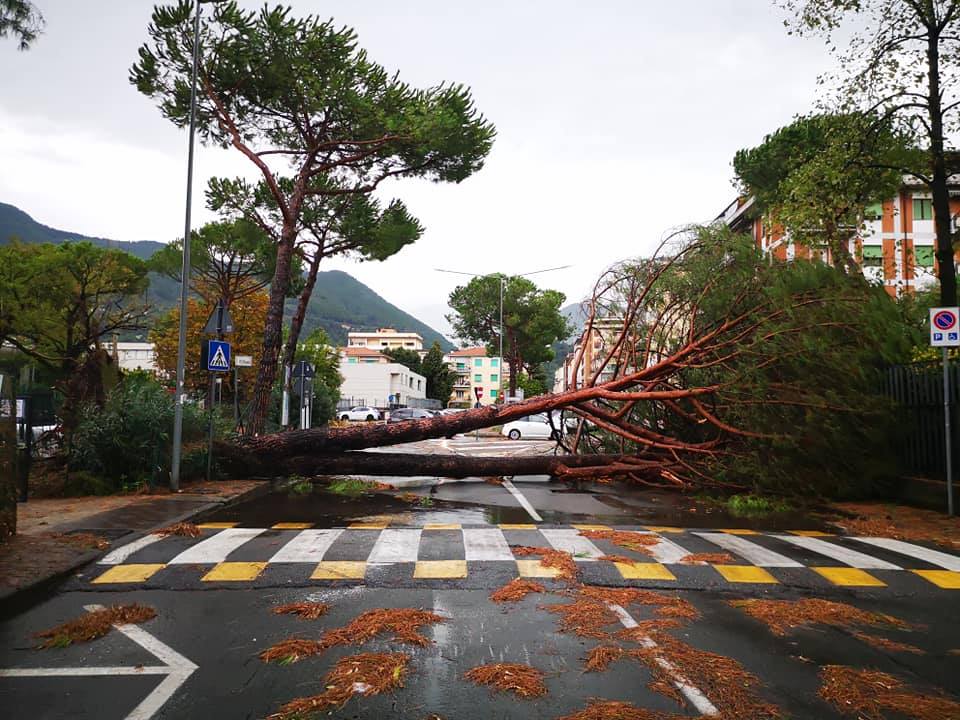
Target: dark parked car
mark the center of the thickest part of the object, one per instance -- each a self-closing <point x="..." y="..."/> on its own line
<point x="401" y="414"/>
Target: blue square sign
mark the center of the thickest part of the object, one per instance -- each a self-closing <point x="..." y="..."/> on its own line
<point x="218" y="356"/>
<point x="937" y="337"/>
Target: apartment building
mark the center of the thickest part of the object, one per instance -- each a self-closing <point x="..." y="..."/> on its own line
<point x="385" y="339"/>
<point x="475" y="369"/>
<point x="133" y="355"/>
<point x="896" y="247"/>
<point x="381" y="384"/>
<point x="603" y="337"/>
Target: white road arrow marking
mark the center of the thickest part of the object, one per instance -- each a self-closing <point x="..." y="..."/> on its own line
<point x="176" y="667"/>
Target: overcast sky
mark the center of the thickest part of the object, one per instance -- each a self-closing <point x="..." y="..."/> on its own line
<point x="616" y="121"/>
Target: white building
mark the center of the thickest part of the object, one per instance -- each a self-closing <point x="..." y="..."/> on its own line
<point x="385" y="339"/>
<point x="134" y="355"/>
<point x="380" y="384"/>
<point x="474" y="369"/>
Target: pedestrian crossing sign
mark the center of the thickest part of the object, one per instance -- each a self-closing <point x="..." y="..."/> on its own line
<point x="217" y="355"/>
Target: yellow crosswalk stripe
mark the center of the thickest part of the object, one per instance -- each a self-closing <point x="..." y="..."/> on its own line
<point x="442" y="526"/>
<point x="739" y="531"/>
<point x="234" y="572"/>
<point x="745" y="574"/>
<point x="132" y="573"/>
<point x="849" y="577"/>
<point x="811" y="533"/>
<point x="431" y="569"/>
<point x="946" y="579"/>
<point x="292" y="526"/>
<point x="535" y="569"/>
<point x="663" y="529"/>
<point x="340" y="570"/>
<point x="517" y="526"/>
<point x="644" y="571"/>
<point x="376" y="525"/>
<point x="590" y="527"/>
<point x="217" y="525"/>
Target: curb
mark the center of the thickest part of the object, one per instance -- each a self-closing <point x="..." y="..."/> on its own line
<point x="11" y="598"/>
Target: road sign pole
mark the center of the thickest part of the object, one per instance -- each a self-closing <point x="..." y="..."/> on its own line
<point x="236" y="397"/>
<point x="946" y="430"/>
<point x="285" y="403"/>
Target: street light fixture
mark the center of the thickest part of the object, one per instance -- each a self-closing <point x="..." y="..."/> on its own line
<point x="502" y="278"/>
<point x="185" y="268"/>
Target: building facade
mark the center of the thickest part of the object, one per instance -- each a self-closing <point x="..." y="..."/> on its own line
<point x="385" y="339"/>
<point x="134" y="355"/>
<point x="355" y="355"/>
<point x="381" y="385"/>
<point x="603" y="337"/>
<point x="896" y="247"/>
<point x="475" y="369"/>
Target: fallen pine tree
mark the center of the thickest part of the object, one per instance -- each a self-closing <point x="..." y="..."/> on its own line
<point x="704" y="366"/>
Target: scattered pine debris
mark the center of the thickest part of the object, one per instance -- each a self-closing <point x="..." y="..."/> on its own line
<point x="614" y="710"/>
<point x="900" y="523"/>
<point x="291" y="650"/>
<point x="868" y="693"/>
<point x="516" y="590"/>
<point x="729" y="686"/>
<point x="93" y="625"/>
<point x="602" y="656"/>
<point x="403" y="623"/>
<point x="666" y="605"/>
<point x="584" y="617"/>
<point x="183" y="529"/>
<point x="619" y="559"/>
<point x="522" y="680"/>
<point x="494" y="481"/>
<point x="84" y="540"/>
<point x="363" y="674"/>
<point x="710" y="558"/>
<point x="561" y="561"/>
<point x="781" y="616"/>
<point x="636" y="541"/>
<point x="305" y="610"/>
<point x="882" y="643"/>
<point x="409" y="497"/>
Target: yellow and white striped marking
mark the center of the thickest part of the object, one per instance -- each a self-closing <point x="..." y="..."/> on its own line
<point x="536" y="569"/>
<point x="217" y="525"/>
<point x="745" y="574"/>
<point x="308" y="546"/>
<point x="849" y="577"/>
<point x="131" y="573"/>
<point x="371" y="525"/>
<point x="442" y="526"/>
<point x="946" y="579"/>
<point x="292" y="526"/>
<point x="215" y="549"/>
<point x="340" y="570"/>
<point x="234" y="572"/>
<point x="663" y="529"/>
<point x="440" y="569"/>
<point x="644" y="571"/>
<point x="517" y="526"/>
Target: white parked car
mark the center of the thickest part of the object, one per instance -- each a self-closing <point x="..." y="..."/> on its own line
<point x="361" y="413"/>
<point x="532" y="427"/>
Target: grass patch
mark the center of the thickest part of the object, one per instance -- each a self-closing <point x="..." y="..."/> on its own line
<point x="299" y="485"/>
<point x="748" y="505"/>
<point x="351" y="487"/>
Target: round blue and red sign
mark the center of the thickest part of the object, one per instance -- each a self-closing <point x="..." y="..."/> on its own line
<point x="944" y="319"/>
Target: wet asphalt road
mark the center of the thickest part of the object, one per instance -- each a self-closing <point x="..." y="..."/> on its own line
<point x="202" y="648"/>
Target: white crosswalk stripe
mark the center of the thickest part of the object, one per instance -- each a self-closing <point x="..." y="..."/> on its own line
<point x="485" y="544"/>
<point x="838" y="552"/>
<point x="751" y="552"/>
<point x="116" y="557"/>
<point x="307" y="546"/>
<point x="573" y="542"/>
<point x="394" y="546"/>
<point x="215" y="549"/>
<point x="934" y="557"/>
<point x="666" y="551"/>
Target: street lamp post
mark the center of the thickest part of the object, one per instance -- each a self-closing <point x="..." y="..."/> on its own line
<point x="502" y="279"/>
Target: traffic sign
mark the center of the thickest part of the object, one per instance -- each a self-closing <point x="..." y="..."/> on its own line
<point x="303" y="369"/>
<point x="220" y="320"/>
<point x="218" y="356"/>
<point x="944" y="327"/>
<point x="243" y="360"/>
<point x="478" y="391"/>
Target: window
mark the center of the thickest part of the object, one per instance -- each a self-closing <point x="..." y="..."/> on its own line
<point x="922" y="209"/>
<point x="352" y="361"/>
<point x="459" y="394"/>
<point x="494" y="378"/>
<point x="419" y="384"/>
<point x="873" y="212"/>
<point x="872" y="256"/>
<point x="411" y="382"/>
<point x="478" y="378"/>
<point x="408" y="344"/>
<point x="923" y="256"/>
<point x="494" y="362"/>
<point x="478" y="362"/>
<point x="493" y="394"/>
<point x="461" y="367"/>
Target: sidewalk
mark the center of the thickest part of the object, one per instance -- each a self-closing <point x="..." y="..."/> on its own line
<point x="57" y="535"/>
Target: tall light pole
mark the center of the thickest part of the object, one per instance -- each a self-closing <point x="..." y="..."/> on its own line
<point x="185" y="268"/>
<point x="502" y="279"/>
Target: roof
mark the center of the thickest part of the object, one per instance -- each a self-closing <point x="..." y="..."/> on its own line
<point x="357" y="351"/>
<point x="469" y="352"/>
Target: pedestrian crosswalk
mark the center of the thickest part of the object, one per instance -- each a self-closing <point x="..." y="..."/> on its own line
<point x="372" y="551"/>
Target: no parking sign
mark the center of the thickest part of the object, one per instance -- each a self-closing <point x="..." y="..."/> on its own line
<point x="944" y="327"/>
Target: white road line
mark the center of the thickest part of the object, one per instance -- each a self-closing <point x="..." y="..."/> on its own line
<point x="177" y="669"/>
<point x="665" y="551"/>
<point x="395" y="546"/>
<point x="485" y="544"/>
<point x="215" y="549"/>
<point x="307" y="546"/>
<point x="522" y="500"/>
<point x="116" y="557"/>
<point x="750" y="551"/>
<point x="573" y="542"/>
<point x="700" y="701"/>
<point x="934" y="557"/>
<point x="838" y="552"/>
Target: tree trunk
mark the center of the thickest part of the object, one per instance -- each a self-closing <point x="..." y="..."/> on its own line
<point x="938" y="184"/>
<point x="296" y="322"/>
<point x="272" y="331"/>
<point x="450" y="466"/>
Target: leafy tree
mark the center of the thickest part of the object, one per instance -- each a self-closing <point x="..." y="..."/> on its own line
<point x="312" y="112"/>
<point x="228" y="260"/>
<point x="900" y="59"/>
<point x="21" y="19"/>
<point x="440" y="377"/>
<point x="248" y="312"/>
<point x="406" y="357"/>
<point x="59" y="302"/>
<point x="317" y="350"/>
<point x="816" y="176"/>
<point x="532" y="385"/>
<point x="532" y="320"/>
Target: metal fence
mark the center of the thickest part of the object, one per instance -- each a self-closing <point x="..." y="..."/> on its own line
<point x="918" y="391"/>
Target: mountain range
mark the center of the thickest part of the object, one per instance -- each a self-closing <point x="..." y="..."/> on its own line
<point x="340" y="302"/>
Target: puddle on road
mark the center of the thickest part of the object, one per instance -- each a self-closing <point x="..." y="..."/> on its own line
<point x="480" y="503"/>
